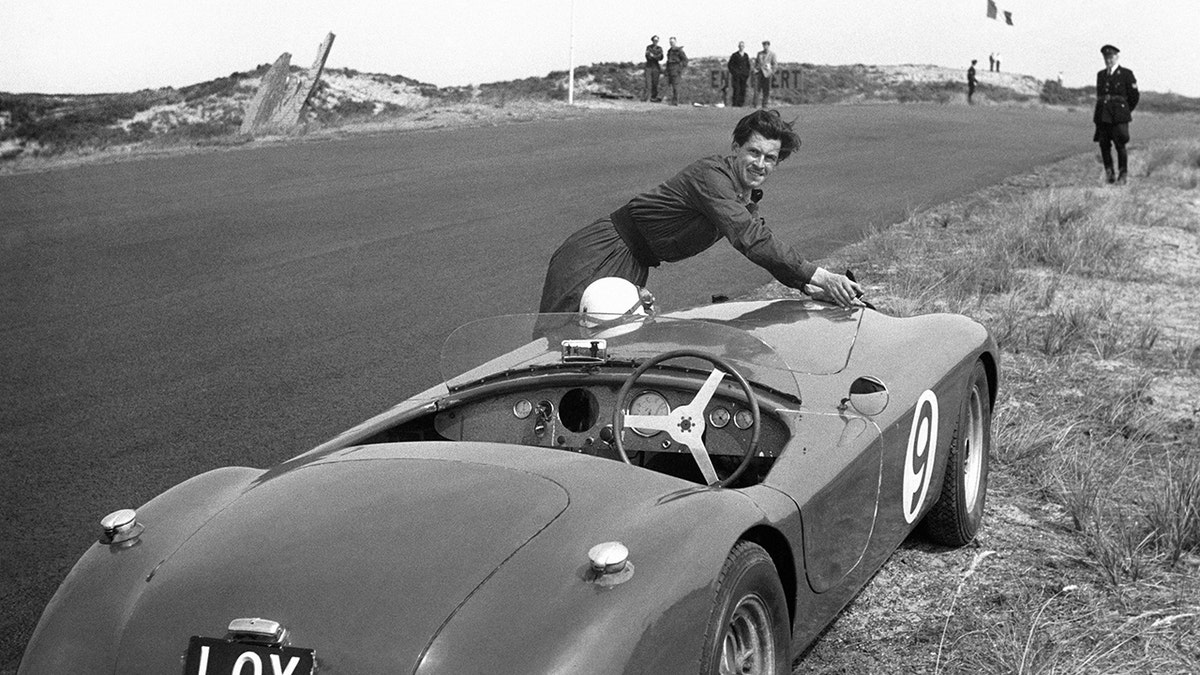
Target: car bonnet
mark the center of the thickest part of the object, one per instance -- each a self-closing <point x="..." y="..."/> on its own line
<point x="813" y="338"/>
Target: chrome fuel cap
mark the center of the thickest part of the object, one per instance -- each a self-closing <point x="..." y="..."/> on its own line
<point x="120" y="526"/>
<point x="609" y="557"/>
<point x="610" y="564"/>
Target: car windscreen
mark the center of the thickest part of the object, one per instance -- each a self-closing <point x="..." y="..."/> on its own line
<point x="518" y="343"/>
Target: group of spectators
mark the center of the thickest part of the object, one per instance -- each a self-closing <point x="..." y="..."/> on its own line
<point x="676" y="62"/>
<point x="741" y="71"/>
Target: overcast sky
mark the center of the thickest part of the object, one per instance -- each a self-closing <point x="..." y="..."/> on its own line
<point x="90" y="46"/>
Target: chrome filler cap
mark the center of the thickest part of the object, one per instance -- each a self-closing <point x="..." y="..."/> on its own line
<point x="120" y="526"/>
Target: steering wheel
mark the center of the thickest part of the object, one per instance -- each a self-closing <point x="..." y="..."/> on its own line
<point x="686" y="423"/>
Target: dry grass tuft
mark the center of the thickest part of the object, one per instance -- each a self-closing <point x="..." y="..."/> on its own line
<point x="1177" y="163"/>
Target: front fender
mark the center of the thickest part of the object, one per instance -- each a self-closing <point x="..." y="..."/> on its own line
<point x="81" y="628"/>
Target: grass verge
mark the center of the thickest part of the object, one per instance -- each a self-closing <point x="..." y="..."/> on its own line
<point x="1090" y="557"/>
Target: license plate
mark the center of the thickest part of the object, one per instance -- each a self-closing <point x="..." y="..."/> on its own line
<point x="213" y="656"/>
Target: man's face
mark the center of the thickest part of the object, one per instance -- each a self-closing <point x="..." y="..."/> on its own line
<point x="672" y="42"/>
<point x="741" y="46"/>
<point x="654" y="40"/>
<point x="1110" y="59"/>
<point x="755" y="159"/>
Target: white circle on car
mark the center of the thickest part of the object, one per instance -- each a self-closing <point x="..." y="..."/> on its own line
<point x="919" y="459"/>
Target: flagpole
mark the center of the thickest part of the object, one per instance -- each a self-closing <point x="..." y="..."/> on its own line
<point x="571" y="60"/>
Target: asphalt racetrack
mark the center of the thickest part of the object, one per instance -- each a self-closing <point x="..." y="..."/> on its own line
<point x="167" y="316"/>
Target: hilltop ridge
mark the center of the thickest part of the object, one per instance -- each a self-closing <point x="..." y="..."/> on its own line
<point x="41" y="129"/>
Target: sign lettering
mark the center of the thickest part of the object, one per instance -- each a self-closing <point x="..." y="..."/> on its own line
<point x="781" y="79"/>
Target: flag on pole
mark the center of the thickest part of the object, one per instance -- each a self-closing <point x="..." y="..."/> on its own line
<point x="993" y="11"/>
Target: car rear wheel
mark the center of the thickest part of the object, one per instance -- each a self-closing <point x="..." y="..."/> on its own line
<point x="748" y="630"/>
<point x="957" y="515"/>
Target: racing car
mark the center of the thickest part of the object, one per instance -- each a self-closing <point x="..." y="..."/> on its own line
<point x="693" y="491"/>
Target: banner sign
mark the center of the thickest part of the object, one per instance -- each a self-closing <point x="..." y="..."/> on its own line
<point x="781" y="79"/>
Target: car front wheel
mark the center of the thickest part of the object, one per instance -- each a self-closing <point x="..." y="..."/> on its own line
<point x="748" y="630"/>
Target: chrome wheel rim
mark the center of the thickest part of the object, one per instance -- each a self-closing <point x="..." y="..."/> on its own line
<point x="973" y="449"/>
<point x="747" y="647"/>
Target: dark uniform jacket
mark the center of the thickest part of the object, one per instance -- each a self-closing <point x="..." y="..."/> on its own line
<point x="1116" y="96"/>
<point x="654" y="54"/>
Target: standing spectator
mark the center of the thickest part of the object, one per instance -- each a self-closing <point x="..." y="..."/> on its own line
<point x="971" y="81"/>
<point x="991" y="62"/>
<point x="997" y="62"/>
<point x="739" y="72"/>
<point x="654" y="54"/>
<point x="1116" y="97"/>
<point x="676" y="62"/>
<point x="764" y="68"/>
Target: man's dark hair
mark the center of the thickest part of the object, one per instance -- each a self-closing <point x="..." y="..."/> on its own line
<point x="769" y="125"/>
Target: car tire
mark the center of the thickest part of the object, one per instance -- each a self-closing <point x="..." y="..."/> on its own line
<point x="957" y="515"/>
<point x="748" y="629"/>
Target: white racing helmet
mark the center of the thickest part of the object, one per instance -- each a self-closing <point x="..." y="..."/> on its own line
<point x="612" y="303"/>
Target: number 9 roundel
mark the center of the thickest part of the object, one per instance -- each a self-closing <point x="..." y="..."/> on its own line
<point x="919" y="459"/>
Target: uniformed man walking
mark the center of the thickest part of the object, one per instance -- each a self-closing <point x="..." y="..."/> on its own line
<point x="1116" y="97"/>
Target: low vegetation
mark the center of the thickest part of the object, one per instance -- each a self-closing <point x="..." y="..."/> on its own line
<point x="1090" y="557"/>
<point x="1054" y="93"/>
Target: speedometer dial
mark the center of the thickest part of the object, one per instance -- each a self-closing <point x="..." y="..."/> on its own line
<point x="648" y="403"/>
<point x="718" y="417"/>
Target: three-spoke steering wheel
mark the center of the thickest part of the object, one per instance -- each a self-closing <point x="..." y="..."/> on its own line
<point x="686" y="423"/>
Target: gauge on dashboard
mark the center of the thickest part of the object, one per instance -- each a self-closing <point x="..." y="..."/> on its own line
<point x="718" y="417"/>
<point x="743" y="419"/>
<point x="648" y="403"/>
<point x="522" y="408"/>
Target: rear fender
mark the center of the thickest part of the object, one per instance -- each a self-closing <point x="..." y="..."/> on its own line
<point x="653" y="622"/>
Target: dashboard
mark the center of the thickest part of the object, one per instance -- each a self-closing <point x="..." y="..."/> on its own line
<point x="580" y="418"/>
